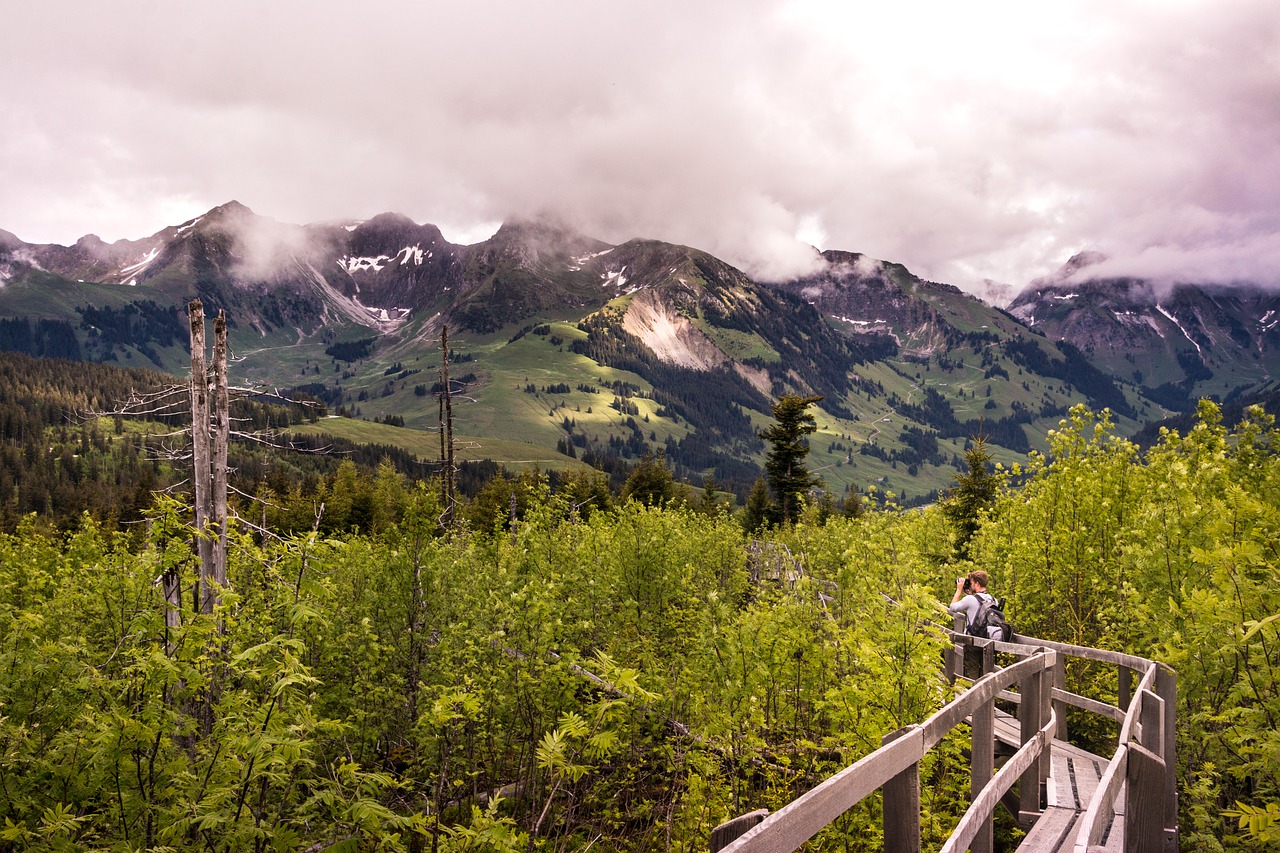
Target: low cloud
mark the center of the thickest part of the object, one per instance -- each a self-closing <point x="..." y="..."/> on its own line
<point x="970" y="144"/>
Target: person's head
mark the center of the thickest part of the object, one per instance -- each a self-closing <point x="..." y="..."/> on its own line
<point x="978" y="580"/>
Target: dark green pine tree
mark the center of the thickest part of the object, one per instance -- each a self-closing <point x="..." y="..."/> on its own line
<point x="755" y="514"/>
<point x="973" y="493"/>
<point x="650" y="482"/>
<point x="784" y="466"/>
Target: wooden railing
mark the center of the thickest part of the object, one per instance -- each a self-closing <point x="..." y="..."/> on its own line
<point x="1144" y="757"/>
<point x="1145" y="760"/>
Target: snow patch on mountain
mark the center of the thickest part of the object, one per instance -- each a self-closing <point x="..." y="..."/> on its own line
<point x="192" y="224"/>
<point x="352" y="265"/>
<point x="614" y="277"/>
<point x="1138" y="318"/>
<point x="869" y="326"/>
<point x="582" y="260"/>
<point x="1175" y="322"/>
<point x="415" y="252"/>
<point x="142" y="264"/>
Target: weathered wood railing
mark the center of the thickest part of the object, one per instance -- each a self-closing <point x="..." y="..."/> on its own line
<point x="1145" y="760"/>
<point x="895" y="768"/>
<point x="1144" y="757"/>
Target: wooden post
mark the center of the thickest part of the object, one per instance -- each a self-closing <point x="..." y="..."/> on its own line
<point x="1122" y="690"/>
<point x="731" y="830"/>
<point x="1151" y="721"/>
<point x="1060" y="707"/>
<point x="1167" y="690"/>
<point x="1029" y="802"/>
<point x="1045" y="761"/>
<point x="955" y="659"/>
<point x="986" y="656"/>
<point x="902" y="804"/>
<point x="1144" y="806"/>
<point x="982" y="766"/>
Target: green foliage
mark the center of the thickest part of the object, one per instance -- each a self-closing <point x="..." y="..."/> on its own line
<point x="624" y="677"/>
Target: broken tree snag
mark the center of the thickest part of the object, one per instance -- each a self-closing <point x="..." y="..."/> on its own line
<point x="221" y="434"/>
<point x="200" y="453"/>
<point x="446" y="430"/>
<point x="210" y="430"/>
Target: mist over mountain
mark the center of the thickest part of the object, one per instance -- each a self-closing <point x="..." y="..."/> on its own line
<point x="612" y="351"/>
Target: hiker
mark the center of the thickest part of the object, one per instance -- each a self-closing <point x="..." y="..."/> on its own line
<point x="971" y="594"/>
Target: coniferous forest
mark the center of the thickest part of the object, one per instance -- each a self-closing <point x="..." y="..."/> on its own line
<point x="567" y="667"/>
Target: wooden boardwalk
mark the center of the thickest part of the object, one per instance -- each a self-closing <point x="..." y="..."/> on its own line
<point x="1066" y="798"/>
<point x="1074" y="775"/>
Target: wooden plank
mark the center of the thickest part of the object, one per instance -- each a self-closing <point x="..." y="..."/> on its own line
<point x="1007" y="730"/>
<point x="1086" y="773"/>
<point x="1102" y="804"/>
<point x="1050" y="831"/>
<point x="1144" y="821"/>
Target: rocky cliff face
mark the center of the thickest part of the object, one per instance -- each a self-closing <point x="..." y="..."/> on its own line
<point x="1181" y="340"/>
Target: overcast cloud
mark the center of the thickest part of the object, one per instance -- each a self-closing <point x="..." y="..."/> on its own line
<point x="970" y="141"/>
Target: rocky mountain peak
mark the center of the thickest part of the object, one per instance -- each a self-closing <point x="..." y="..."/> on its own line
<point x="1069" y="270"/>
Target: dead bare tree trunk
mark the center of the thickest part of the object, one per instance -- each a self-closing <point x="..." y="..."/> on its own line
<point x="221" y="434"/>
<point x="200" y="452"/>
<point x="446" y="432"/>
<point x="210" y="424"/>
<point x="171" y="584"/>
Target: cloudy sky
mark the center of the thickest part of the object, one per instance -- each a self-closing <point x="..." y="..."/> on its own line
<point x="982" y="140"/>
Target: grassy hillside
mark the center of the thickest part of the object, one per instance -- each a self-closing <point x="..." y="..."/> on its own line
<point x="426" y="445"/>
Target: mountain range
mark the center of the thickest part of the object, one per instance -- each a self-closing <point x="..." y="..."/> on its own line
<point x="608" y="352"/>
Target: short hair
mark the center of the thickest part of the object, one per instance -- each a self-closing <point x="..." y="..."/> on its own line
<point x="980" y="578"/>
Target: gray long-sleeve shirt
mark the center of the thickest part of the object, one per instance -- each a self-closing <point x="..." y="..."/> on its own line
<point x="969" y="607"/>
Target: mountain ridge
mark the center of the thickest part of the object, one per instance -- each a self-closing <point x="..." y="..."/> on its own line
<point x="690" y="348"/>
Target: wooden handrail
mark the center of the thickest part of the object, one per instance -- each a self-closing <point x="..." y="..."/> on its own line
<point x="795" y="823"/>
<point x="1144" y="757"/>
<point x="1101" y="809"/>
<point x="984" y="804"/>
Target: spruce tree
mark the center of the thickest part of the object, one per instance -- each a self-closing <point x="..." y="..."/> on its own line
<point x="784" y="466"/>
<point x="755" y="515"/>
<point x="973" y="493"/>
